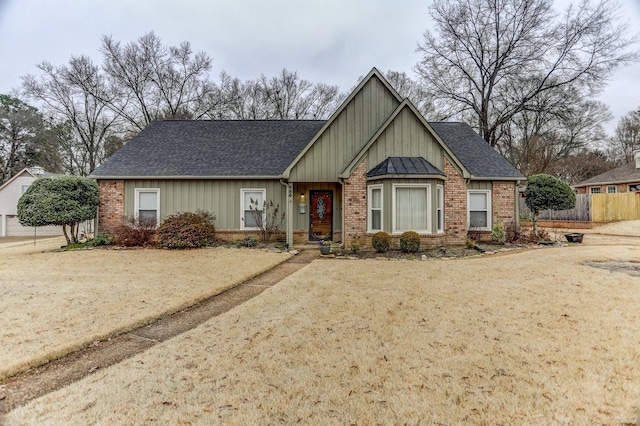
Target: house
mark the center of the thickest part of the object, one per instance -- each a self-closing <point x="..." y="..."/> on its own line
<point x="625" y="178"/>
<point x="375" y="165"/>
<point x="10" y="193"/>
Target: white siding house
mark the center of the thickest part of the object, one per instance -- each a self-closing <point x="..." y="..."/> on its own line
<point x="10" y="193"/>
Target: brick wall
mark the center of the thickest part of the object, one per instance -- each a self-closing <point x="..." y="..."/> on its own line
<point x="111" y="207"/>
<point x="503" y="203"/>
<point x="355" y="208"/>
<point x="455" y="206"/>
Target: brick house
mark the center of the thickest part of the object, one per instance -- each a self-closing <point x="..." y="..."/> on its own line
<point x="375" y="165"/>
<point x="625" y="178"/>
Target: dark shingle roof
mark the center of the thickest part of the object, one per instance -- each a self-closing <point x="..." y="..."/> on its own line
<point x="622" y="174"/>
<point x="474" y="153"/>
<point x="404" y="166"/>
<point x="211" y="148"/>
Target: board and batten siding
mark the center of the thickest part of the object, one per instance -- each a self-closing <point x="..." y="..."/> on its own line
<point x="219" y="197"/>
<point x="406" y="136"/>
<point x="346" y="135"/>
<point x="480" y="185"/>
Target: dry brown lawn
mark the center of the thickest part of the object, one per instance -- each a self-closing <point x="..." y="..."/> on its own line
<point x="54" y="302"/>
<point x="533" y="337"/>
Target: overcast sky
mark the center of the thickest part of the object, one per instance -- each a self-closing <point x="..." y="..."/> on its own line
<point x="328" y="41"/>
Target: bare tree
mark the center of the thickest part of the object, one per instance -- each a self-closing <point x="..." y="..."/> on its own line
<point x="285" y="96"/>
<point x="76" y="94"/>
<point x="555" y="125"/>
<point x="578" y="167"/>
<point x="494" y="58"/>
<point x="149" y="80"/>
<point x="626" y="138"/>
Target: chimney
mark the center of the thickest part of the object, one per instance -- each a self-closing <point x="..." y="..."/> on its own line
<point x="39" y="171"/>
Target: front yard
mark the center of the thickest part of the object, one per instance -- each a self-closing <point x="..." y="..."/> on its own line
<point x="54" y="302"/>
<point x="533" y="337"/>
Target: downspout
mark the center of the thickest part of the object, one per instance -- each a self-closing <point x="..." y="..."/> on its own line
<point x="517" y="203"/>
<point x="289" y="212"/>
<point x="343" y="226"/>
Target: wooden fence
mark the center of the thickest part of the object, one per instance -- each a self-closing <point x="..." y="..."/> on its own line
<point x="581" y="212"/>
<point x="615" y="207"/>
<point x="593" y="208"/>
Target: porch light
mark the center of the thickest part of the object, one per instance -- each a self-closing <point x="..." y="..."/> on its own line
<point x="302" y="206"/>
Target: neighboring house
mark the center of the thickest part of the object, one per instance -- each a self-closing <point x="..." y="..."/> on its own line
<point x="625" y="178"/>
<point x="375" y="165"/>
<point x="10" y="193"/>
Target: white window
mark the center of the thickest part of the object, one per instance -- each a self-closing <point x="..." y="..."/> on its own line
<point x="375" y="208"/>
<point x="595" y="190"/>
<point x="612" y="189"/>
<point x="440" y="207"/>
<point x="411" y="208"/>
<point x="251" y="208"/>
<point x="147" y="204"/>
<point x="479" y="210"/>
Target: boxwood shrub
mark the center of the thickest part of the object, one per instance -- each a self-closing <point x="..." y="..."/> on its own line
<point x="410" y="242"/>
<point x="381" y="242"/>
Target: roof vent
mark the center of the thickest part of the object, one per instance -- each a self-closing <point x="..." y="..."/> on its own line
<point x="36" y="170"/>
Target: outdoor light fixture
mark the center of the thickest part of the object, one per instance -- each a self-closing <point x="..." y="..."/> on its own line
<point x="302" y="205"/>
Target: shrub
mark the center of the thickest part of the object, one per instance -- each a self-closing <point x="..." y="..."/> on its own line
<point x="134" y="232"/>
<point x="355" y="247"/>
<point x="381" y="242"/>
<point x="187" y="230"/>
<point x="410" y="242"/>
<point x="545" y="192"/>
<point x="247" y="242"/>
<point x="99" y="240"/>
<point x="513" y="232"/>
<point x="498" y="234"/>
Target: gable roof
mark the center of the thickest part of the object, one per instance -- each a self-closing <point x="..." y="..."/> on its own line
<point x="218" y="148"/>
<point x="374" y="73"/>
<point x="623" y="174"/>
<point x="405" y="166"/>
<point x="478" y="157"/>
<point x="406" y="103"/>
<point x="29" y="172"/>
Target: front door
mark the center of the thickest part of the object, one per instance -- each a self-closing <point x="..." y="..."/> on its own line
<point x="321" y="215"/>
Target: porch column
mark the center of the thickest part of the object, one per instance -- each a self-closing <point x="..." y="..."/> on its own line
<point x="289" y="213"/>
<point x="3" y="225"/>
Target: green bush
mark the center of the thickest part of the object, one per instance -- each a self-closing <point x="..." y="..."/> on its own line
<point x="247" y="242"/>
<point x="410" y="242"/>
<point x="187" y="230"/>
<point x="381" y="242"/>
<point x="498" y="234"/>
<point x="99" y="240"/>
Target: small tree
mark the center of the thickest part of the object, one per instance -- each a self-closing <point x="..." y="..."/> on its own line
<point x="267" y="217"/>
<point x="61" y="200"/>
<point x="545" y="192"/>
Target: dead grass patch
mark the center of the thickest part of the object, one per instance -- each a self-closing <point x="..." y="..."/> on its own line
<point x="52" y="303"/>
<point x="534" y="337"/>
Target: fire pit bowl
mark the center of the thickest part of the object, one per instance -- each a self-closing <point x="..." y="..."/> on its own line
<point x="575" y="237"/>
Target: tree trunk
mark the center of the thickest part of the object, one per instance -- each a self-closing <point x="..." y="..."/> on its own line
<point x="64" y="231"/>
<point x="535" y="224"/>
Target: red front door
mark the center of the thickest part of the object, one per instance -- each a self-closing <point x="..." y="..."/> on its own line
<point x="321" y="215"/>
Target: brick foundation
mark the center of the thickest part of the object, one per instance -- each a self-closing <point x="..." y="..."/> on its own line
<point x="111" y="207"/>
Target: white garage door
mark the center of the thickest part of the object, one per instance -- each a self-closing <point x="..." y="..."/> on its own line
<point x="14" y="229"/>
